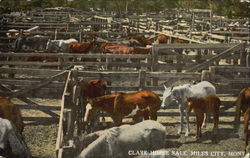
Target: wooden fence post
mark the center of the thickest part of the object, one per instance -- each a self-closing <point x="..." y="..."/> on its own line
<point x="142" y="79"/>
<point x="205" y="75"/>
<point x="243" y="55"/>
<point x="154" y="63"/>
<point x="80" y="36"/>
<point x="55" y="34"/>
<point x="248" y="59"/>
<point x="212" y="73"/>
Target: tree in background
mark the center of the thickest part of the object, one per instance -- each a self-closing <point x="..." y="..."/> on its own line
<point x="230" y="8"/>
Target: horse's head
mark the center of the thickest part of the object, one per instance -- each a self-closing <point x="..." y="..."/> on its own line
<point x="167" y="97"/>
<point x="189" y="104"/>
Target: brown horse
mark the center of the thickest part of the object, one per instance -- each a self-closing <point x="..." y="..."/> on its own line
<point x="210" y="103"/>
<point x="119" y="105"/>
<point x="246" y="125"/>
<point x="242" y="104"/>
<point x="11" y="112"/>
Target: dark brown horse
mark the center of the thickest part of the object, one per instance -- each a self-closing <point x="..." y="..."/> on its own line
<point x="119" y="105"/>
<point x="210" y="103"/>
<point x="10" y="111"/>
<point x="242" y="104"/>
<point x="246" y="125"/>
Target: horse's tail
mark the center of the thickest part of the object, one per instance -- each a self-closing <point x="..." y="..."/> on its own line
<point x="238" y="110"/>
<point x="246" y="127"/>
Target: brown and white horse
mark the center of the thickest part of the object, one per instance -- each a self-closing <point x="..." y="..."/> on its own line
<point x="120" y="105"/>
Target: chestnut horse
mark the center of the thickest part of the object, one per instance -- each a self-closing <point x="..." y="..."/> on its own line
<point x="119" y="105"/>
<point x="242" y="103"/>
<point x="11" y="112"/>
<point x="210" y="103"/>
<point x="246" y="125"/>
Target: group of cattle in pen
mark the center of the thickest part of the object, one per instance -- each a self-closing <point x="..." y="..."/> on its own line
<point x="198" y="97"/>
<point x="131" y="44"/>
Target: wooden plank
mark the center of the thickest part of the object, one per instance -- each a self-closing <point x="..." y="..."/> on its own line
<point x="215" y="58"/>
<point x="163" y="75"/>
<point x="36" y="86"/>
<point x="60" y="135"/>
<point x="29" y="82"/>
<point x="41" y="107"/>
<point x="30" y="71"/>
<point x="77" y="55"/>
<point x="194" y="46"/>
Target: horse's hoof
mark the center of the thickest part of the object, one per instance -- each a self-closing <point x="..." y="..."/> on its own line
<point x="197" y="138"/>
<point x="179" y="132"/>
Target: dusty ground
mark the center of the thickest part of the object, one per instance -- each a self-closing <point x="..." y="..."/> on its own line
<point x="41" y="136"/>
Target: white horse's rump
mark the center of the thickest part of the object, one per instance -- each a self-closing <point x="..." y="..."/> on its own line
<point x="179" y="95"/>
<point x="59" y="45"/>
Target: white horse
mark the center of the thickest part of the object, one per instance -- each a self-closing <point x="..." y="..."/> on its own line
<point x="59" y="45"/>
<point x="179" y="95"/>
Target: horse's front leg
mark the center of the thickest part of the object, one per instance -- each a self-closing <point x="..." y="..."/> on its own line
<point x="181" y="118"/>
<point x="204" y="121"/>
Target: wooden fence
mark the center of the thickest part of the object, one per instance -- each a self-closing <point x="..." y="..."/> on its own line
<point x="164" y="57"/>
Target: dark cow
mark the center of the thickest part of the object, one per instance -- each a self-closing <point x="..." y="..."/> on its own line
<point x="140" y="39"/>
<point x="37" y="42"/>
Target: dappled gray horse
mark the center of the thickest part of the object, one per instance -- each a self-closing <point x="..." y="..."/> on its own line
<point x="11" y="142"/>
<point x="178" y="95"/>
<point x="37" y="42"/>
<point x="118" y="141"/>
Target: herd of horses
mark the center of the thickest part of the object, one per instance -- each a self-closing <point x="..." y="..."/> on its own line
<point x="198" y="97"/>
<point x="131" y="44"/>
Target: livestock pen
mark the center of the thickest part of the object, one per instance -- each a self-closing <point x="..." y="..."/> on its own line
<point x="45" y="92"/>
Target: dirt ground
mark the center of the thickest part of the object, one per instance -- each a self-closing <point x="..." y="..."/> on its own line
<point x="41" y="136"/>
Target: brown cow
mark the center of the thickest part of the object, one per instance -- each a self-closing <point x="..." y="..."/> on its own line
<point x="162" y="38"/>
<point x="116" y="48"/>
<point x="11" y="112"/>
<point x="93" y="88"/>
<point x="84" y="47"/>
<point x="210" y="103"/>
<point x="119" y="105"/>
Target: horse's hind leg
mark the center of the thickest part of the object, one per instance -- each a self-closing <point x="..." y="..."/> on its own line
<point x="187" y="124"/>
<point x="216" y="121"/>
<point x="246" y="124"/>
<point x="199" y="120"/>
<point x="181" y="119"/>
